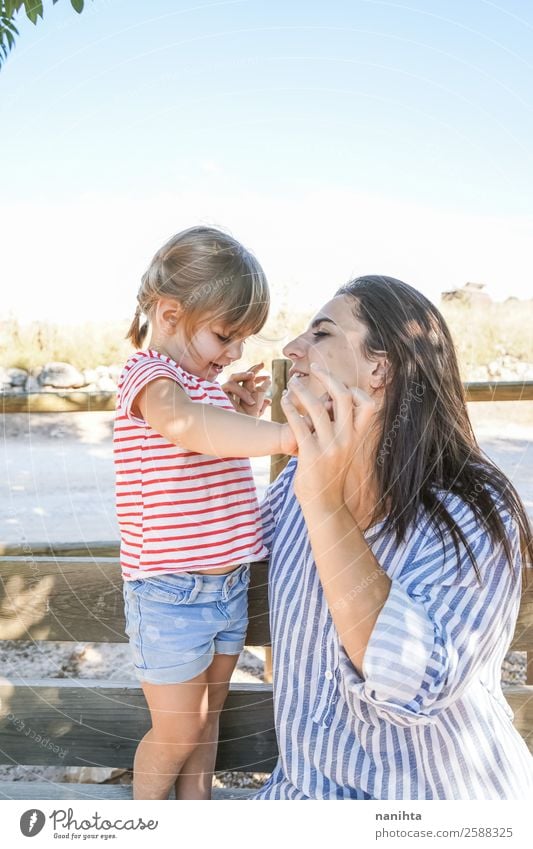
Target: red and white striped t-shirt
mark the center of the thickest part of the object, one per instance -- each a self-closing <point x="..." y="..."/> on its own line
<point x="178" y="510"/>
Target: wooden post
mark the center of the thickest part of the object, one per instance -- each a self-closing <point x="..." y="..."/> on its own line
<point x="280" y="371"/>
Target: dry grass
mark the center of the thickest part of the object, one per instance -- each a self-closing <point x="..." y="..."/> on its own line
<point x="87" y="345"/>
<point x="481" y="334"/>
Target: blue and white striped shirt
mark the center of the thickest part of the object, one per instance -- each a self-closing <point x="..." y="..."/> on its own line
<point x="428" y="719"/>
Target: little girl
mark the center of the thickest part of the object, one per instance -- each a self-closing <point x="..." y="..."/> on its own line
<point x="187" y="506"/>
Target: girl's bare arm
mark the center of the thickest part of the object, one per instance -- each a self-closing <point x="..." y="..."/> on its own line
<point x="207" y="429"/>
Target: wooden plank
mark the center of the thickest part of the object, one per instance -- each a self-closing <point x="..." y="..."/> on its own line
<point x="91" y="723"/>
<point x="102" y="792"/>
<point x="520" y="699"/>
<point x="57" y="402"/>
<point x="80" y="598"/>
<point x="499" y="390"/>
<point x="97" y="723"/>
<point x="78" y="401"/>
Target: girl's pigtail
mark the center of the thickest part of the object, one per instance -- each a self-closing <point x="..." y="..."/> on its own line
<point x="137" y="333"/>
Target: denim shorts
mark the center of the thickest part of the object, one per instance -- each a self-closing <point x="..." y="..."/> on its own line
<point x="176" y="623"/>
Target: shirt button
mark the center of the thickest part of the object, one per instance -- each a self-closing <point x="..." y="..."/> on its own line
<point x="328" y="674"/>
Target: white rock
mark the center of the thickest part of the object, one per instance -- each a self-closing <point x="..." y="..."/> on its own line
<point x="7" y="389"/>
<point x="106" y="384"/>
<point x="115" y="372"/>
<point x="90" y="375"/>
<point x="61" y="376"/>
<point x="89" y="774"/>
<point x="4" y="377"/>
<point x="32" y="384"/>
<point x="17" y="376"/>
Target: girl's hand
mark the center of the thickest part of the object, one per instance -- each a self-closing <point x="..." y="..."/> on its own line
<point x="247" y="391"/>
<point x="289" y="444"/>
<point x="328" y="439"/>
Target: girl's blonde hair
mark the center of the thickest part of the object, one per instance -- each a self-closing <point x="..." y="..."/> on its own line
<point x="210" y="274"/>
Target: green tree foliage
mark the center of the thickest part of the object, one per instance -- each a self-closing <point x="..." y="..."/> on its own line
<point x="34" y="11"/>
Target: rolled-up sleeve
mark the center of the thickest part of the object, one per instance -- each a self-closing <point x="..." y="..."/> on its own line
<point x="434" y="633"/>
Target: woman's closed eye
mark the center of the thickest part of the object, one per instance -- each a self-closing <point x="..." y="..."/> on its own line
<point x="319" y="333"/>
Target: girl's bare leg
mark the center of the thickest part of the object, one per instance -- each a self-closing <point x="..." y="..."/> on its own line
<point x="179" y="715"/>
<point x="196" y="775"/>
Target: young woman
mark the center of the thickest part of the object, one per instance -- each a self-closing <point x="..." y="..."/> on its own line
<point x="396" y="555"/>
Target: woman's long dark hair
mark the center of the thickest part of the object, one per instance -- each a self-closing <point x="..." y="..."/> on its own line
<point x="427" y="442"/>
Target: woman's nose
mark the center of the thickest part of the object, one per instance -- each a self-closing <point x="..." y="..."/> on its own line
<point x="294" y="348"/>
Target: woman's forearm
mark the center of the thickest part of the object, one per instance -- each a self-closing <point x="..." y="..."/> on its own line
<point x="355" y="585"/>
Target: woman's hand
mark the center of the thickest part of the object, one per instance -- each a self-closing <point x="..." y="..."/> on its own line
<point x="330" y="437"/>
<point x="247" y="391"/>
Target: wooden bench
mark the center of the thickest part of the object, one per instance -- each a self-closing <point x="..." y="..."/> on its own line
<point x="73" y="592"/>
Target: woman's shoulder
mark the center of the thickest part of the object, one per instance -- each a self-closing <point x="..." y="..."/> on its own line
<point x="473" y="523"/>
<point x="276" y="493"/>
<point x="285" y="477"/>
<point x="442" y="551"/>
<point x="461" y="506"/>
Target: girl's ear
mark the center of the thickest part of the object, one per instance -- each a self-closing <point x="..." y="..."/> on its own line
<point x="168" y="312"/>
<point x="380" y="374"/>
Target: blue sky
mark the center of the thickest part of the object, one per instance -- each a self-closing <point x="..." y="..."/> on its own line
<point x="333" y="138"/>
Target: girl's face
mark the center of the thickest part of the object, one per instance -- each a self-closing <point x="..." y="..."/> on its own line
<point x="205" y="355"/>
<point x="334" y="340"/>
<point x="211" y="351"/>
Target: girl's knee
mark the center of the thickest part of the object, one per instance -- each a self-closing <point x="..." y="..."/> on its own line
<point x="177" y="735"/>
<point x="178" y="728"/>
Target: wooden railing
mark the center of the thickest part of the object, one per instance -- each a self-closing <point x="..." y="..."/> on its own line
<point x="92" y="402"/>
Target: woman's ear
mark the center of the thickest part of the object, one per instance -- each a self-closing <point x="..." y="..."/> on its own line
<point x="380" y="374"/>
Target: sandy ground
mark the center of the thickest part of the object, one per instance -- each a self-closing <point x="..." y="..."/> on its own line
<point x="56" y="484"/>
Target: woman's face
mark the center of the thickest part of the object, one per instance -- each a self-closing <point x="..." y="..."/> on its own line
<point x="334" y="341"/>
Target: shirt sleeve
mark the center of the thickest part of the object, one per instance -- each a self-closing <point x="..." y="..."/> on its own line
<point x="273" y="501"/>
<point x="437" y="629"/>
<point x="137" y="375"/>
